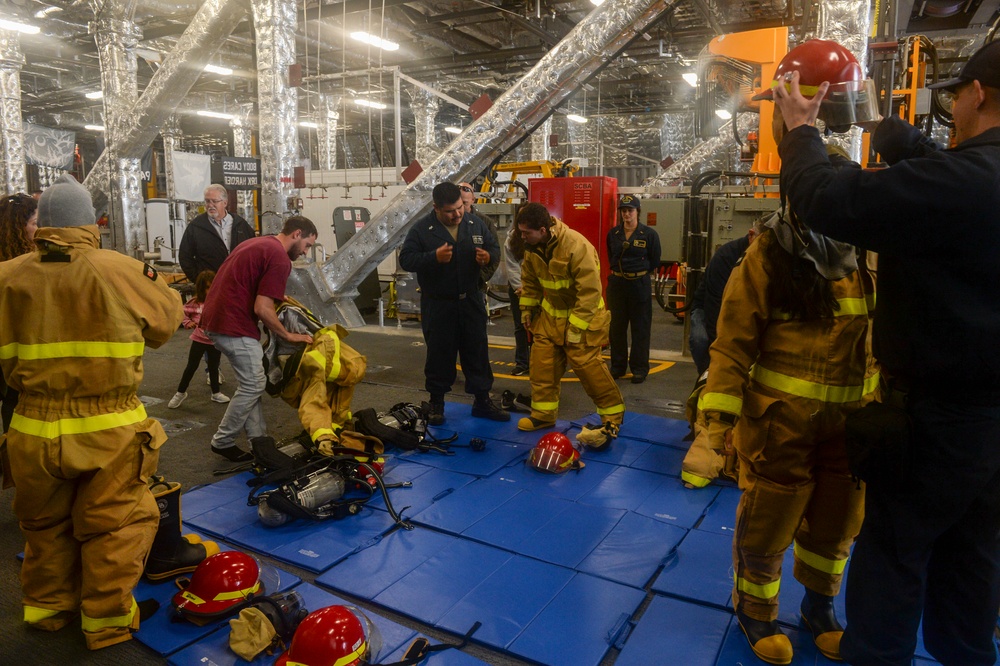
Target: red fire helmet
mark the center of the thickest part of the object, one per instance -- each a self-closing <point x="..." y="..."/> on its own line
<point x="220" y="582"/>
<point x="333" y="636"/>
<point x="555" y="453"/>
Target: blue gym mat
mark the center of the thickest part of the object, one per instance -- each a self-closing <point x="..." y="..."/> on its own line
<point x="676" y="632"/>
<point x="646" y="428"/>
<point x="569" y="485"/>
<point x="204" y="498"/>
<point x="674" y="504"/>
<point x="624" y="488"/>
<point x="633" y="551"/>
<point x="623" y="450"/>
<point x="660" y="459"/>
<point x="224" y="519"/>
<point x="700" y="569"/>
<point x="466" y="506"/>
<point x="498" y="454"/>
<point x="427" y="486"/>
<point x="721" y="515"/>
<point x="214" y="648"/>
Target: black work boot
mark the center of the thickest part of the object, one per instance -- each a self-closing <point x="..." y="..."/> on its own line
<point x="820" y="618"/>
<point x="435" y="416"/>
<point x="173" y="554"/>
<point x="485" y="408"/>
<point x="766" y="639"/>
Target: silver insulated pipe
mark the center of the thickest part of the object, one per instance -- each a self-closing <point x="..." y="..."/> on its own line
<point x="11" y="129"/>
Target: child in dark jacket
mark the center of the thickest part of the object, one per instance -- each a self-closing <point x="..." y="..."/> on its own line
<point x="201" y="344"/>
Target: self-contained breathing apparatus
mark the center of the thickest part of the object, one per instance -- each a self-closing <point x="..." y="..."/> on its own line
<point x="403" y="426"/>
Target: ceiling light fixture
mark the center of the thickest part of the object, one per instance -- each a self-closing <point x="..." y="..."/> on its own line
<point x="453" y="130"/>
<point x="94" y="128"/>
<point x="216" y="114"/>
<point x="309" y="124"/>
<point x="95" y="94"/>
<point x="575" y="118"/>
<point x="367" y="38"/>
<point x="691" y="78"/>
<point x="597" y="3"/>
<point x="722" y="113"/>
<point x="370" y="104"/>
<point x="215" y="69"/>
<point x="20" y="27"/>
<point x="42" y="13"/>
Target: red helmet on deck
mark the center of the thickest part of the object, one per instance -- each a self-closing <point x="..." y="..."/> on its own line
<point x="333" y="636"/>
<point x="220" y="582"/>
<point x="555" y="453"/>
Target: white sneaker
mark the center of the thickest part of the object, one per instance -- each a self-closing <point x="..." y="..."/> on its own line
<point x="208" y="379"/>
<point x="220" y="397"/>
<point x="176" y="401"/>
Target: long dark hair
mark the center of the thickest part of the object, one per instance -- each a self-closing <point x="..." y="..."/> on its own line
<point x="202" y="284"/>
<point x="796" y="286"/>
<point x="15" y="211"/>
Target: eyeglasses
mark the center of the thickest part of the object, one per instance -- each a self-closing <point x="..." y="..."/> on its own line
<point x="465" y="188"/>
<point x="214" y="201"/>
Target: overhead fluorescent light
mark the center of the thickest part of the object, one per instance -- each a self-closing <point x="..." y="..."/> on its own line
<point x="575" y="118"/>
<point x="308" y="123"/>
<point x="42" y="13"/>
<point x="367" y="38"/>
<point x="215" y="69"/>
<point x="597" y="3"/>
<point x="216" y="114"/>
<point x="95" y="94"/>
<point x="722" y="113"/>
<point x="20" y="27"/>
<point x="370" y="104"/>
<point x="691" y="78"/>
<point x="94" y="128"/>
<point x="453" y="130"/>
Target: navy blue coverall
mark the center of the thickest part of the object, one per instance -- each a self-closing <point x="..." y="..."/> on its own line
<point x="452" y="307"/>
<point x="630" y="296"/>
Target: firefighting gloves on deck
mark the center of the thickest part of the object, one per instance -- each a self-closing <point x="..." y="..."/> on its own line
<point x="598" y="438"/>
<point x="173" y="554"/>
<point x="267" y="625"/>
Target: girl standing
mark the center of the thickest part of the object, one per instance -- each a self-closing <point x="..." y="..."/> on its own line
<point x="201" y="344"/>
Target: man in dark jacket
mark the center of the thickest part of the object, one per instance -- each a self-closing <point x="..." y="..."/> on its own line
<point x="211" y="236"/>
<point x="930" y="543"/>
<point x="447" y="249"/>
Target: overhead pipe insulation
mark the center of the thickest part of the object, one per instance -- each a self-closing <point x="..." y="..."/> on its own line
<point x="425" y="108"/>
<point x="172" y="135"/>
<point x="243" y="147"/>
<point x="594" y="41"/>
<point x="326" y="132"/>
<point x="720" y="153"/>
<point x="278" y="104"/>
<point x="170" y="84"/>
<point x="541" y="151"/>
<point x="847" y="22"/>
<point x="11" y="129"/>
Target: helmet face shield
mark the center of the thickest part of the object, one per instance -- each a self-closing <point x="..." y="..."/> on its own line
<point x="555" y="453"/>
<point x="849" y="103"/>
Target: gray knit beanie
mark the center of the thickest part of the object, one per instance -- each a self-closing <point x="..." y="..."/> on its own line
<point x="66" y="203"/>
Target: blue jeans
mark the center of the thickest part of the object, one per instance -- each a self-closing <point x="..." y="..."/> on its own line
<point x="246" y="356"/>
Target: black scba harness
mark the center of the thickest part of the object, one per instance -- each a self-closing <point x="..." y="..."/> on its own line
<point x="348" y="479"/>
<point x="404" y="426"/>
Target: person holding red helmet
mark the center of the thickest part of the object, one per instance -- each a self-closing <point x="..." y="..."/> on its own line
<point x="790" y="362"/>
<point x="929" y="547"/>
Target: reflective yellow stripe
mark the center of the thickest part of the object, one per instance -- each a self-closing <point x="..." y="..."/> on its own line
<point x="529" y="302"/>
<point x="767" y="591"/>
<point x="813" y="390"/>
<point x="555" y="285"/>
<point x="33" y="614"/>
<point x="544" y="406"/>
<point x="334" y="371"/>
<point x="97" y="623"/>
<point x="848" y="307"/>
<point x="237" y="594"/>
<point x="79" y="349"/>
<point x="695" y="480"/>
<point x="343" y="661"/>
<point x="807" y="91"/>
<point x="720" y="402"/>
<point x="579" y="323"/>
<point x="614" y="409"/>
<point x="318" y="358"/>
<point x="552" y="310"/>
<point x="79" y="426"/>
<point x="320" y="432"/>
<point x="818" y="562"/>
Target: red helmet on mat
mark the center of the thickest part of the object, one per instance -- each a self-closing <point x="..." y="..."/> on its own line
<point x="851" y="97"/>
<point x="219" y="583"/>
<point x="555" y="453"/>
<point x="333" y="636"/>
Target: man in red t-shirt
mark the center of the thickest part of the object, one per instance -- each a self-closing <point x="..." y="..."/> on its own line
<point x="249" y="283"/>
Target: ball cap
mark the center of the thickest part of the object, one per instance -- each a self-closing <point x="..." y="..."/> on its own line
<point x="983" y="66"/>
<point x="629" y="201"/>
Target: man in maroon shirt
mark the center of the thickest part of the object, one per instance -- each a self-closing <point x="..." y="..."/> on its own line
<point x="249" y="283"/>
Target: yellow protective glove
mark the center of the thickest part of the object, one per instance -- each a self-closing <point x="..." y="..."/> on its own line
<point x="251" y="633"/>
<point x="573" y="335"/>
<point x="720" y="436"/>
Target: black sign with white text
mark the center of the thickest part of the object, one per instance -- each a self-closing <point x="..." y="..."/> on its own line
<point x="236" y="173"/>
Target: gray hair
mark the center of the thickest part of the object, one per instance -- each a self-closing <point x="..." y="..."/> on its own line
<point x="215" y="187"/>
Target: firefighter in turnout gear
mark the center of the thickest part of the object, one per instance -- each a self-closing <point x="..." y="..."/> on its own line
<point x="74" y="322"/>
<point x="561" y="306"/>
<point x="791" y="361"/>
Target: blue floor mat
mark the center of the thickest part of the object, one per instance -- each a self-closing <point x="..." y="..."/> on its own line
<point x="367" y="573"/>
<point x="633" y="551"/>
<point x="442" y="658"/>
<point x="569" y="485"/>
<point x="736" y="649"/>
<point x="700" y="569"/>
<point x="428" y="486"/>
<point x="517" y="520"/>
<point x="214" y="648"/>
<point x="498" y="454"/>
<point x="624" y="488"/>
<point x="225" y="518"/>
<point x="647" y="428"/>
<point x="623" y="450"/>
<point x="570" y="537"/>
<point x="580" y="624"/>
<point x="661" y="459"/>
<point x="721" y="516"/>
<point x="674" y="504"/>
<point x="466" y="506"/>
<point x="204" y="498"/>
<point x="165" y="637"/>
<point x="676" y="632"/>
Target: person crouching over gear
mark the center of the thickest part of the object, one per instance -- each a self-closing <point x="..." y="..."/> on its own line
<point x="74" y="322"/>
<point x="561" y="306"/>
<point x="792" y="359"/>
<point x="318" y="378"/>
<point x="634" y="254"/>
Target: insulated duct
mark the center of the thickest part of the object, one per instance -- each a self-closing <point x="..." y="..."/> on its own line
<point x="594" y="41"/>
<point x="278" y="103"/>
<point x="243" y="147"/>
<point x="326" y="131"/>
<point x="208" y="30"/>
<point x="540" y="148"/>
<point x="847" y="22"/>
<point x="425" y="107"/>
<point x="720" y="153"/>
<point x="172" y="135"/>
<point x="677" y="134"/>
<point x="11" y="129"/>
